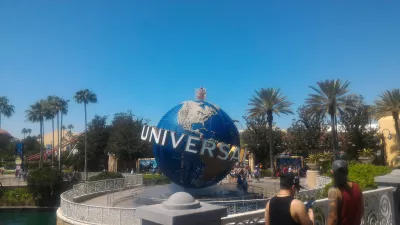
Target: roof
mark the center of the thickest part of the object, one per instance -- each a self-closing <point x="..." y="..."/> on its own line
<point x="5" y="133"/>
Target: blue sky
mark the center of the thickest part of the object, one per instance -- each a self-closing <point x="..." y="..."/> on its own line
<point x="147" y="56"/>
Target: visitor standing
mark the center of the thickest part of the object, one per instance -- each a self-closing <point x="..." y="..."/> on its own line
<point x="284" y="209"/>
<point x="290" y="170"/>
<point x="346" y="204"/>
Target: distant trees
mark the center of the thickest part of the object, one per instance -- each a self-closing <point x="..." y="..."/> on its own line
<point x="121" y="137"/>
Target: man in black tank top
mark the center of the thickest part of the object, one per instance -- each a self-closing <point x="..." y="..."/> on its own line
<point x="284" y="209"/>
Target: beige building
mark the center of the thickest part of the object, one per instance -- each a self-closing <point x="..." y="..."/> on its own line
<point x="48" y="138"/>
<point x="386" y="127"/>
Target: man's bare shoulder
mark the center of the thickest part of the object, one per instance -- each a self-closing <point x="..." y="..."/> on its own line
<point x="297" y="205"/>
<point x="333" y="193"/>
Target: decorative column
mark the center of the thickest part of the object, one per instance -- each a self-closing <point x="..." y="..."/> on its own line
<point x="181" y="209"/>
<point x="392" y="180"/>
<point x="312" y="174"/>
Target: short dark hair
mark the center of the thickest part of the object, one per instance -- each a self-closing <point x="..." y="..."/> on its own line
<point x="287" y="180"/>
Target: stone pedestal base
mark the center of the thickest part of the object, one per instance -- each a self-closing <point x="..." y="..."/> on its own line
<point x="312" y="179"/>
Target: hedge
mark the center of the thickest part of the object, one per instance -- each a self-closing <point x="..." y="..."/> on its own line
<point x="105" y="176"/>
<point x="363" y="174"/>
<point x="152" y="179"/>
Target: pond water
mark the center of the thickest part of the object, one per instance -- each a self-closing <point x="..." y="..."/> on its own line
<point x="27" y="218"/>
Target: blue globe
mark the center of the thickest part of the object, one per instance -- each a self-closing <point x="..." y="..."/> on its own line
<point x="200" y="119"/>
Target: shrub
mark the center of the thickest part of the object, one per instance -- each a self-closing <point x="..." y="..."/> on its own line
<point x="265" y="173"/>
<point x="105" y="176"/>
<point x="153" y="179"/>
<point x="364" y="175"/>
<point x="367" y="152"/>
<point x="17" y="197"/>
<point x="313" y="158"/>
<point x="45" y="184"/>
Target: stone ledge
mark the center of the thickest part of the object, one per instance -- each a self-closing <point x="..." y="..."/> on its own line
<point x="62" y="220"/>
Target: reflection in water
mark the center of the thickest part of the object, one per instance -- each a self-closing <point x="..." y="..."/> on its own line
<point x="27" y="218"/>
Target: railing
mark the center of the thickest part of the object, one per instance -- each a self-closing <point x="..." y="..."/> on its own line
<point x="378" y="209"/>
<point x="97" y="214"/>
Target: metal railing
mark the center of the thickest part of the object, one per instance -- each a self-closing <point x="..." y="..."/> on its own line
<point x="81" y="212"/>
<point x="378" y="209"/>
<point x="122" y="188"/>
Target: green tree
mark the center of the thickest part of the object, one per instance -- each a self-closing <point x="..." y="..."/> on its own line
<point x="29" y="131"/>
<point x="125" y="140"/>
<point x="6" y="109"/>
<point x="305" y="133"/>
<point x="257" y="138"/>
<point x="354" y="121"/>
<point x="46" y="185"/>
<point x="70" y="127"/>
<point x="329" y="99"/>
<point x="24" y="131"/>
<point x="36" y="114"/>
<point x="267" y="102"/>
<point x="85" y="96"/>
<point x="388" y="104"/>
<point x="50" y="114"/>
<point x="97" y="139"/>
<point x="62" y="110"/>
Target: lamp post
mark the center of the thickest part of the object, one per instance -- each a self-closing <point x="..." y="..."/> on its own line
<point x="389" y="137"/>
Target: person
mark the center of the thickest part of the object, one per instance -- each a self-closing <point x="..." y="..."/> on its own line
<point x="290" y="170"/>
<point x="284" y="209"/>
<point x="346" y="204"/>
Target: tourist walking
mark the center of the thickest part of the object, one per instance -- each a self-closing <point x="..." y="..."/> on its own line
<point x="346" y="204"/>
<point x="284" y="209"/>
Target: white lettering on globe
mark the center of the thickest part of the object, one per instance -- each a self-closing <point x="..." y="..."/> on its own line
<point x="225" y="151"/>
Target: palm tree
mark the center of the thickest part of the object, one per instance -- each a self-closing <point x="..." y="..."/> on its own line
<point x="267" y="102"/>
<point x="29" y="131"/>
<point x="6" y="108"/>
<point x="330" y="98"/>
<point x="51" y="113"/>
<point x="62" y="110"/>
<point x="389" y="105"/>
<point x="63" y="128"/>
<point x="24" y="132"/>
<point x="85" y="96"/>
<point x="70" y="127"/>
<point x="36" y="113"/>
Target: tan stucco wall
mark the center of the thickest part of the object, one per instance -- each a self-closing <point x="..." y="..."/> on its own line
<point x="391" y="153"/>
<point x="48" y="137"/>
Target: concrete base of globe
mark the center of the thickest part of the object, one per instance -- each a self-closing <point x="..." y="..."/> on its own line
<point x="181" y="208"/>
<point x="312" y="178"/>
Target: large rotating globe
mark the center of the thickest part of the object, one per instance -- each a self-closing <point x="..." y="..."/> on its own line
<point x="203" y="120"/>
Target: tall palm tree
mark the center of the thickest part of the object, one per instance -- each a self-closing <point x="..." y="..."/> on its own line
<point x="24" y="132"/>
<point x="36" y="113"/>
<point x="51" y="113"/>
<point x="70" y="127"/>
<point x="62" y="110"/>
<point x="6" y="109"/>
<point x="330" y="99"/>
<point x="389" y="105"/>
<point x="85" y="96"/>
<point x="267" y="102"/>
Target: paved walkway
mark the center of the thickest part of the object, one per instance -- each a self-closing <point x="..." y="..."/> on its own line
<point x="11" y="180"/>
<point x="270" y="187"/>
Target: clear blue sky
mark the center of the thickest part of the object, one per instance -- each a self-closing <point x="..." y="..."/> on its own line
<point x="147" y="56"/>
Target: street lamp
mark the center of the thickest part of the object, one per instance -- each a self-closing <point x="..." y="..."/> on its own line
<point x="389" y="137"/>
